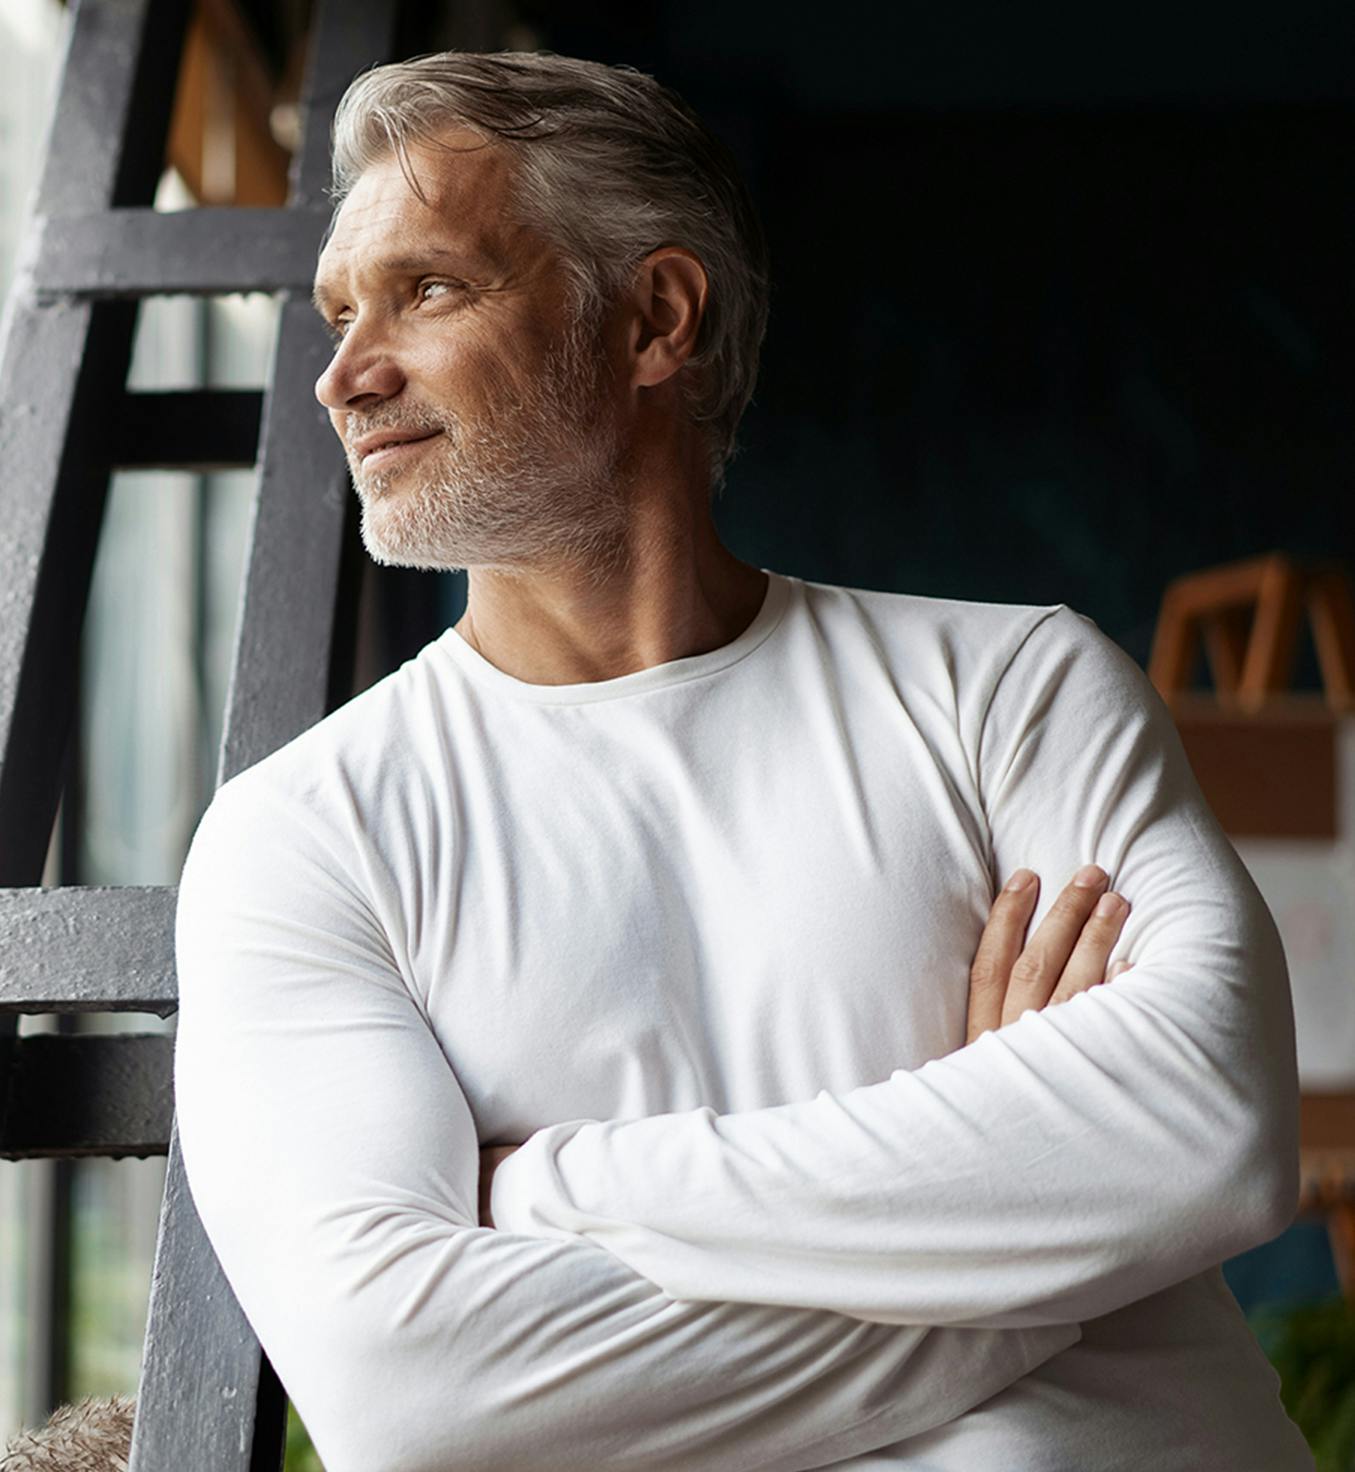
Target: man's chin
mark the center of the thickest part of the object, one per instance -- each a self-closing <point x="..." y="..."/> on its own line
<point x="391" y="546"/>
<point x="386" y="554"/>
<point x="373" y="488"/>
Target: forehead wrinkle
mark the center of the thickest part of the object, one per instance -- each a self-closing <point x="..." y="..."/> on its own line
<point x="400" y="232"/>
<point x="416" y="260"/>
<point x="467" y="205"/>
<point x="476" y="181"/>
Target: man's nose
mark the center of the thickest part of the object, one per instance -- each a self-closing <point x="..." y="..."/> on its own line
<point x="362" y="370"/>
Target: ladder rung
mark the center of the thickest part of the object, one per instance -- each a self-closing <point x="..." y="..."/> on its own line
<point x="78" y="949"/>
<point x="89" y="1094"/>
<point x="198" y="429"/>
<point x="196" y="252"/>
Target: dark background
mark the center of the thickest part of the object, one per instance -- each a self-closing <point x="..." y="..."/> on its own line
<point x="1062" y="295"/>
<point x="1062" y="302"/>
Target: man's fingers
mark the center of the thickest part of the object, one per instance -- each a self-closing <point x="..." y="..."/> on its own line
<point x="1066" y="955"/>
<point x="999" y="946"/>
<point x="1087" y="965"/>
<point x="1040" y="966"/>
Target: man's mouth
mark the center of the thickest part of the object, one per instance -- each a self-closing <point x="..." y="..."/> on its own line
<point x="386" y="447"/>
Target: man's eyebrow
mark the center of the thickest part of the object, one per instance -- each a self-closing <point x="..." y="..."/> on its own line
<point x="409" y="265"/>
<point x="321" y="297"/>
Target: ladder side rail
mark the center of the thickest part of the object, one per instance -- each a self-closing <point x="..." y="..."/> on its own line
<point x="65" y="362"/>
<point x="280" y="675"/>
<point x="63" y="365"/>
<point x="279" y="679"/>
<point x="203" y="1378"/>
<point x="61" y="361"/>
<point x="111" y="112"/>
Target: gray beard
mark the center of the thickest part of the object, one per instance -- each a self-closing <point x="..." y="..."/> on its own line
<point x="534" y="482"/>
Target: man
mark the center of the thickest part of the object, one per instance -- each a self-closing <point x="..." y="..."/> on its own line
<point x="671" y="870"/>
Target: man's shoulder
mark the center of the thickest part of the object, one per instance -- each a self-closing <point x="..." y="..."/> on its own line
<point x="967" y="638"/>
<point x="921" y="610"/>
<point x="371" y="726"/>
<point x="339" y="771"/>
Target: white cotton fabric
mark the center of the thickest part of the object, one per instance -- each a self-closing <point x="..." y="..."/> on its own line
<point x="700" y="935"/>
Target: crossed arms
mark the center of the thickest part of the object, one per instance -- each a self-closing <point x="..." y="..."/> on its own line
<point x="1072" y="1162"/>
<point x="1052" y="1171"/>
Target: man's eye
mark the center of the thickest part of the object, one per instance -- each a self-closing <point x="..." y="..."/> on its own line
<point x="429" y="289"/>
<point x="338" y="328"/>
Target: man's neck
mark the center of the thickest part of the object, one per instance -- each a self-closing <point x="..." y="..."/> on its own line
<point x="671" y="597"/>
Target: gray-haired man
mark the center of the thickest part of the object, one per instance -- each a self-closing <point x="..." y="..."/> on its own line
<point x="680" y="873"/>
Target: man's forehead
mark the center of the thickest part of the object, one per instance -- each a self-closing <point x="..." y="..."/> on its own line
<point x="461" y="211"/>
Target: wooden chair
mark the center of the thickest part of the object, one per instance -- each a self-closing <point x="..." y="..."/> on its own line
<point x="1250" y="615"/>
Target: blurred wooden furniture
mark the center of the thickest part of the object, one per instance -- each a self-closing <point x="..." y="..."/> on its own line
<point x="1249" y="616"/>
<point x="221" y="130"/>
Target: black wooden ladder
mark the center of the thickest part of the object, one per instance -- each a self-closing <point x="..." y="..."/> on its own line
<point x="208" y="1400"/>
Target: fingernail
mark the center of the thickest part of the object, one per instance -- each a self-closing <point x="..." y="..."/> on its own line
<point x="1019" y="880"/>
<point x="1089" y="877"/>
<point x="1108" y="906"/>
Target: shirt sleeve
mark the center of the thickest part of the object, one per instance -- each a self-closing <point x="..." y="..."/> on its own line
<point x="1063" y="1166"/>
<point x="334" y="1162"/>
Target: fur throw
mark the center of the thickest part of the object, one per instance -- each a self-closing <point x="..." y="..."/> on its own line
<point x="94" y="1436"/>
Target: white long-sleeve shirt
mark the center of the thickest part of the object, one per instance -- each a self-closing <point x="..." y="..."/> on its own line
<point x="725" y="908"/>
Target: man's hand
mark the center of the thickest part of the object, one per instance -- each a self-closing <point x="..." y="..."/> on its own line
<point x="491" y="1159"/>
<point x="1066" y="955"/>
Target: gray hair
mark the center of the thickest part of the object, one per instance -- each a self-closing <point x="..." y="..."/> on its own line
<point x="611" y="165"/>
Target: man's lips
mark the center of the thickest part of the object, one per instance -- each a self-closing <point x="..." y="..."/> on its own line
<point x="388" y="444"/>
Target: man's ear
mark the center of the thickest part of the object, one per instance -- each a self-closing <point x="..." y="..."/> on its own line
<point x="669" y="294"/>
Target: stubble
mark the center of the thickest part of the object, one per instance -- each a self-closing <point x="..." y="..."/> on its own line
<point x="533" y="481"/>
